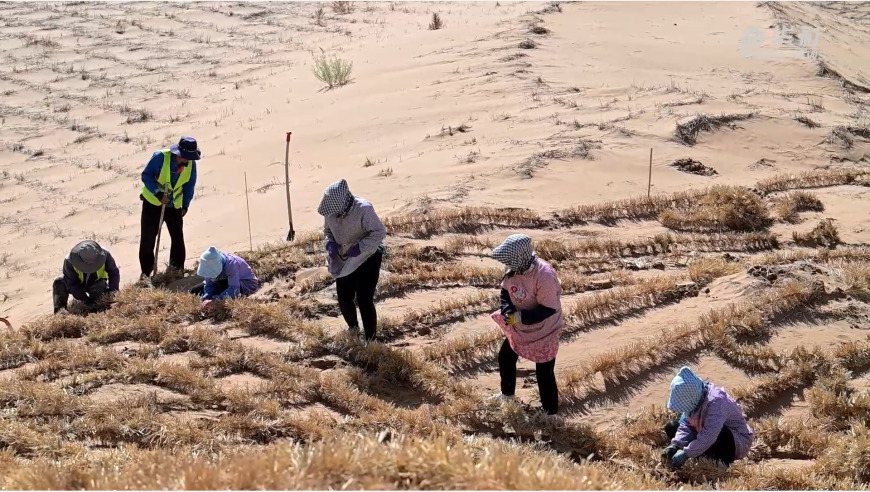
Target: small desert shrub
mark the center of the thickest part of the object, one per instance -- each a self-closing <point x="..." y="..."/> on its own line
<point x="342" y="7"/>
<point x="687" y="132"/>
<point x="333" y="72"/>
<point x="824" y="234"/>
<point x="436" y="23"/>
<point x="722" y="208"/>
<point x="528" y="44"/>
<point x="807" y="122"/>
<point x="539" y="30"/>
<point x="319" y="17"/>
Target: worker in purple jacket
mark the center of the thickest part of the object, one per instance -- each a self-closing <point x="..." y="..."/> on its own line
<point x="227" y="276"/>
<point x="712" y="424"/>
<point x="89" y="275"/>
<point x="354" y="238"/>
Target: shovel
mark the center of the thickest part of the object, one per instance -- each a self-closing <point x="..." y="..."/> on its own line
<point x="290" y="233"/>
<point x="159" y="230"/>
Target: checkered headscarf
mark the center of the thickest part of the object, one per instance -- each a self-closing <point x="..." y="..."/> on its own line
<point x="335" y="199"/>
<point x="515" y="252"/>
<point x="687" y="389"/>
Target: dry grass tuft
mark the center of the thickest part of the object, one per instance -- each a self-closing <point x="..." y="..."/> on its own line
<point x="342" y="7"/>
<point x="436" y="23"/>
<point x="844" y="136"/>
<point x="687" y="132"/>
<point x="825" y="234"/>
<point x="703" y="270"/>
<point x="789" y="205"/>
<point x="808" y="122"/>
<point x="855" y="274"/>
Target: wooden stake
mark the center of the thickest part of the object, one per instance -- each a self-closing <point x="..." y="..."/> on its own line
<point x="649" y="183"/>
<point x="248" y="204"/>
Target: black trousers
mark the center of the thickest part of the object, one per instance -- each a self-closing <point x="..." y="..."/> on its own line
<point x="722" y="450"/>
<point x="60" y="292"/>
<point x="361" y="285"/>
<point x="150" y="225"/>
<point x="507" y="368"/>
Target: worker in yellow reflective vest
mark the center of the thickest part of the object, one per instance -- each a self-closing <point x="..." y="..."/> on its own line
<point x="89" y="274"/>
<point x="169" y="178"/>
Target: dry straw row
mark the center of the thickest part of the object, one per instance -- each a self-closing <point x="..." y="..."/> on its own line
<point x="360" y="462"/>
<point x="630" y="360"/>
<point x="464" y="220"/>
<point x="473" y="219"/>
<point x="552" y="250"/>
<point x="640" y="294"/>
<point x="812" y="179"/>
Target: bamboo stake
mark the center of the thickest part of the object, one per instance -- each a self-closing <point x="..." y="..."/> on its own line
<point x="248" y="205"/>
<point x="649" y="183"/>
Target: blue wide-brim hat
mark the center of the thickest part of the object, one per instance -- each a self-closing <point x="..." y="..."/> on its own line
<point x="187" y="149"/>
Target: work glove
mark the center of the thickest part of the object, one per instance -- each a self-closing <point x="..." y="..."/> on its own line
<point x="183" y="212"/>
<point x="679" y="459"/>
<point x="354" y="251"/>
<point x="514" y="318"/>
<point x="332" y="248"/>
<point x="669" y="452"/>
<point x="162" y="197"/>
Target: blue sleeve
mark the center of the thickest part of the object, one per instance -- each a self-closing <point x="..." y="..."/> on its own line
<point x="152" y="170"/>
<point x="210" y="291"/>
<point x="188" y="187"/>
<point x="232" y="292"/>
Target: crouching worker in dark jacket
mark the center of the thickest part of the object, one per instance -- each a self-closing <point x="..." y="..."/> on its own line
<point x="227" y="276"/>
<point x="89" y="274"/>
<point x="712" y="424"/>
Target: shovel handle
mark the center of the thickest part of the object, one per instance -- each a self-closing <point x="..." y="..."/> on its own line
<point x="291" y="234"/>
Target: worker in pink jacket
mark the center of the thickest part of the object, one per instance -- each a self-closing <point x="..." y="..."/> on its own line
<point x="531" y="318"/>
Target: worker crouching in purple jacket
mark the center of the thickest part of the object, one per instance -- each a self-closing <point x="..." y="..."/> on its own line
<point x="226" y="275"/>
<point x="712" y="424"/>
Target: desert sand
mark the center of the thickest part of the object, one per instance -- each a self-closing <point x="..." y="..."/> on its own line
<point x="534" y="106"/>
